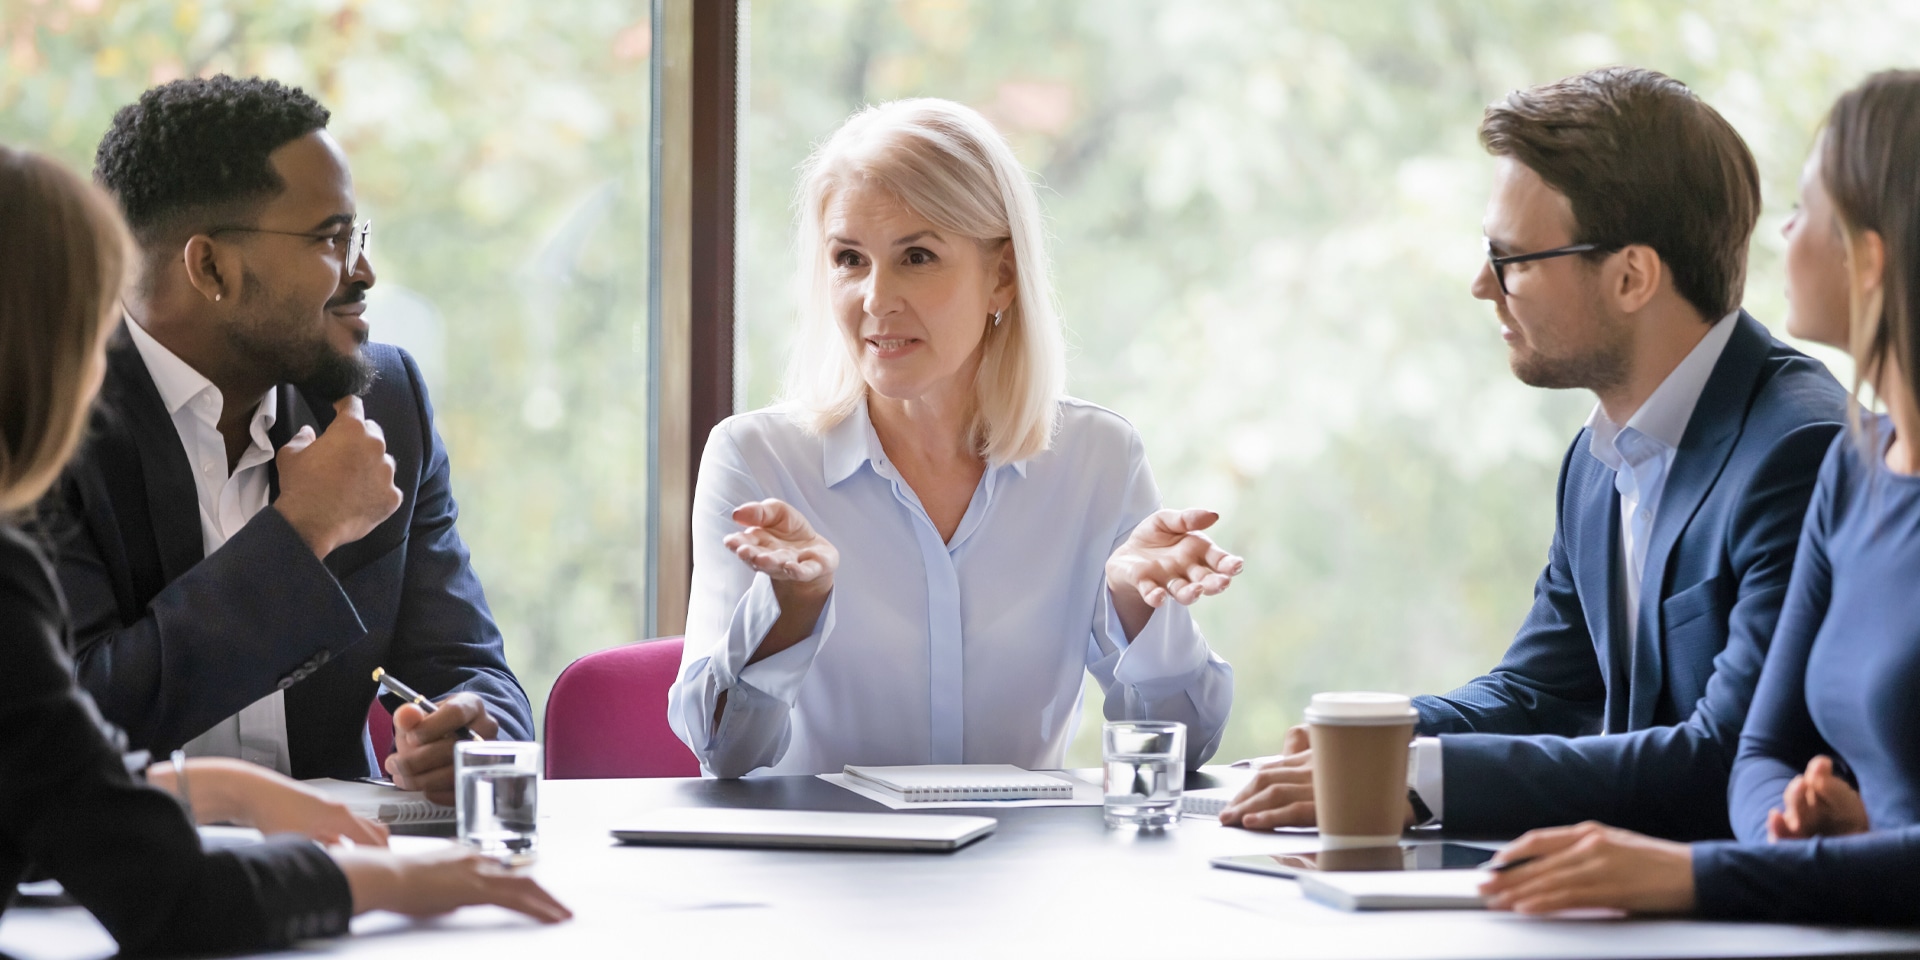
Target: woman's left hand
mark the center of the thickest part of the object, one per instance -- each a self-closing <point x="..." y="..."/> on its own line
<point x="1592" y="866"/>
<point x="225" y="790"/>
<point x="1167" y="557"/>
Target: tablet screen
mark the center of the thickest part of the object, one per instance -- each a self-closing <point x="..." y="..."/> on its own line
<point x="1406" y="856"/>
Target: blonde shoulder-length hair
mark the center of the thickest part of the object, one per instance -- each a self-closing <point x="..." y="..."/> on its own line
<point x="63" y="254"/>
<point x="946" y="163"/>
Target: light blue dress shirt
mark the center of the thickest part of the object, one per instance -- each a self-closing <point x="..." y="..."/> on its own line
<point x="967" y="651"/>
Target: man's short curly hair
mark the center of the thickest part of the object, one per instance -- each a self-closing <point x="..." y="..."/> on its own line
<point x="194" y="150"/>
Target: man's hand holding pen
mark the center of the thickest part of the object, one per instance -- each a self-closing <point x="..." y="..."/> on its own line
<point x="423" y="743"/>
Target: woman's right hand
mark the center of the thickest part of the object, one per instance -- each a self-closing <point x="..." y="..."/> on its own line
<point x="780" y="543"/>
<point x="424" y="885"/>
<point x="1818" y="804"/>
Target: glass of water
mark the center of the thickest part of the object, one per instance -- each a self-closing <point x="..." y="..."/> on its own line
<point x="1146" y="771"/>
<point x="497" y="797"/>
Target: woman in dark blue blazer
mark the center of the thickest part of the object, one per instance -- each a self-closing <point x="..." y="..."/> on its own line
<point x="1825" y="793"/>
<point x="70" y="806"/>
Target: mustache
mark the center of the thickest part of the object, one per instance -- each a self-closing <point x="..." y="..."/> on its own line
<point x="351" y="297"/>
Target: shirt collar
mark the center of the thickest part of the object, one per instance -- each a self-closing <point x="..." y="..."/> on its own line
<point x="852" y="442"/>
<point x="1664" y="416"/>
<point x="179" y="383"/>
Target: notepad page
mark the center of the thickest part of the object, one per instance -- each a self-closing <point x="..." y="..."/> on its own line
<point x="966" y="781"/>
<point x="385" y="804"/>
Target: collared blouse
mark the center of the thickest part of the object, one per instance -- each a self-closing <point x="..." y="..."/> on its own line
<point x="965" y="651"/>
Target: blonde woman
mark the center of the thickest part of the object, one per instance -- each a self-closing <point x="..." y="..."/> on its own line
<point x="916" y="555"/>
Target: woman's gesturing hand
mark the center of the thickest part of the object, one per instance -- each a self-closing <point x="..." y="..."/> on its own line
<point x="1592" y="866"/>
<point x="1167" y="557"/>
<point x="780" y="543"/>
<point x="1818" y="804"/>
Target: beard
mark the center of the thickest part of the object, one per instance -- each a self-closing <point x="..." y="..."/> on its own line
<point x="268" y="335"/>
<point x="1600" y="366"/>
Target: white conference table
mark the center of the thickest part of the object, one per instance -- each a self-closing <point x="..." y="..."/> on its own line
<point x="1052" y="881"/>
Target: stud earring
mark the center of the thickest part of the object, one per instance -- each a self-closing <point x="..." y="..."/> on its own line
<point x="217" y="296"/>
<point x="996" y="318"/>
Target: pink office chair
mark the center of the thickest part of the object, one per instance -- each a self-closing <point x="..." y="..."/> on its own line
<point x="380" y="730"/>
<point x="607" y="716"/>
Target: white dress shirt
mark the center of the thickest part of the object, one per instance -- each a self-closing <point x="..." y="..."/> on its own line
<point x="1640" y="454"/>
<point x="970" y="650"/>
<point x="258" y="733"/>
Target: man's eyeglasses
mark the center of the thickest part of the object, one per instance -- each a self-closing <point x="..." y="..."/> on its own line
<point x="1499" y="264"/>
<point x="358" y="238"/>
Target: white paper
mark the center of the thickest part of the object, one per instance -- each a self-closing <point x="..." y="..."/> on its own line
<point x="1084" y="795"/>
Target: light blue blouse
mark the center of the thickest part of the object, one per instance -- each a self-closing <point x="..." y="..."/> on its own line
<point x="968" y="651"/>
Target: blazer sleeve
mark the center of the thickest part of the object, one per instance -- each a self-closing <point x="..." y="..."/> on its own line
<point x="444" y="633"/>
<point x="1551" y="679"/>
<point x="123" y="850"/>
<point x="1780" y="738"/>
<point x="1865" y="878"/>
<point x="196" y="653"/>
<point x="1667" y="780"/>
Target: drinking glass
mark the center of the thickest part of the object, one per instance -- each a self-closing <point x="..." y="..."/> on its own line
<point x="497" y="797"/>
<point x="1146" y="764"/>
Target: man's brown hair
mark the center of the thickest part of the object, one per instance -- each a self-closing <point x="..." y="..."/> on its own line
<point x="62" y="259"/>
<point x="1642" y="160"/>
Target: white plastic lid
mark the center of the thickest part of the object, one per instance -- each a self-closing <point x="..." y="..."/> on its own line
<point x="1360" y="708"/>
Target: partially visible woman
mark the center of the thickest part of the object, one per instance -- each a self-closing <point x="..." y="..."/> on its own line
<point x="938" y="542"/>
<point x="69" y="808"/>
<point x="1836" y="701"/>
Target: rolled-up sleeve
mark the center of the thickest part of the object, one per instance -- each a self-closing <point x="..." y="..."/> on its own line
<point x="731" y="610"/>
<point x="1167" y="672"/>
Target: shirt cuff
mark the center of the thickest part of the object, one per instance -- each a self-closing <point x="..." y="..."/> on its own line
<point x="1164" y="658"/>
<point x="1423" y="775"/>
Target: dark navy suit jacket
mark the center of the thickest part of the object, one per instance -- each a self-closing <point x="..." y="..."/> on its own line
<point x="170" y="640"/>
<point x="1669" y="707"/>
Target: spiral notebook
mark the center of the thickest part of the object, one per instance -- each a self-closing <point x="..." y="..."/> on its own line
<point x="961" y="781"/>
<point x="382" y="802"/>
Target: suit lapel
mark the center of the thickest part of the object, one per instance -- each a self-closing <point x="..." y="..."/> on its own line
<point x="1704" y="448"/>
<point x="172" y="502"/>
<point x="291" y="413"/>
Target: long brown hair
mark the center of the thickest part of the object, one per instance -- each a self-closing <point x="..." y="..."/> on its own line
<point x="1867" y="166"/>
<point x="63" y="258"/>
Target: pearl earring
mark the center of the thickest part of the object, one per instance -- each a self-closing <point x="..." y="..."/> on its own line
<point x="217" y="296"/>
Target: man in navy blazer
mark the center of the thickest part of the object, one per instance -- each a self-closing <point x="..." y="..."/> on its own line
<point x="1616" y="237"/>
<point x="263" y="513"/>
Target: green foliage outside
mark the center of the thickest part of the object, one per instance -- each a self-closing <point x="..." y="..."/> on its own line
<point x="1265" y="214"/>
<point x="501" y="151"/>
<point x="1266" y="217"/>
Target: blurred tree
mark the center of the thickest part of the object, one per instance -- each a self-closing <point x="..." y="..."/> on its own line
<point x="501" y="149"/>
<point x="1265" y="220"/>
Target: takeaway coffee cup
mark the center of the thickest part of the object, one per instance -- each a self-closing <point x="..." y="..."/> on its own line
<point x="1360" y="745"/>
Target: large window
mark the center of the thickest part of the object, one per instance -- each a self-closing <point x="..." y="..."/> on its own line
<point x="501" y="150"/>
<point x="1266" y="216"/>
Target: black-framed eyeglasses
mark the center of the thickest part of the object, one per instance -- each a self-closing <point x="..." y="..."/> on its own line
<point x="359" y="238"/>
<point x="1499" y="264"/>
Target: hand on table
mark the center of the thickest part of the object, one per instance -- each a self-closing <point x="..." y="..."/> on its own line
<point x="235" y="791"/>
<point x="423" y="743"/>
<point x="421" y="885"/>
<point x="1592" y="866"/>
<point x="1167" y="557"/>
<point x="1281" y="792"/>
